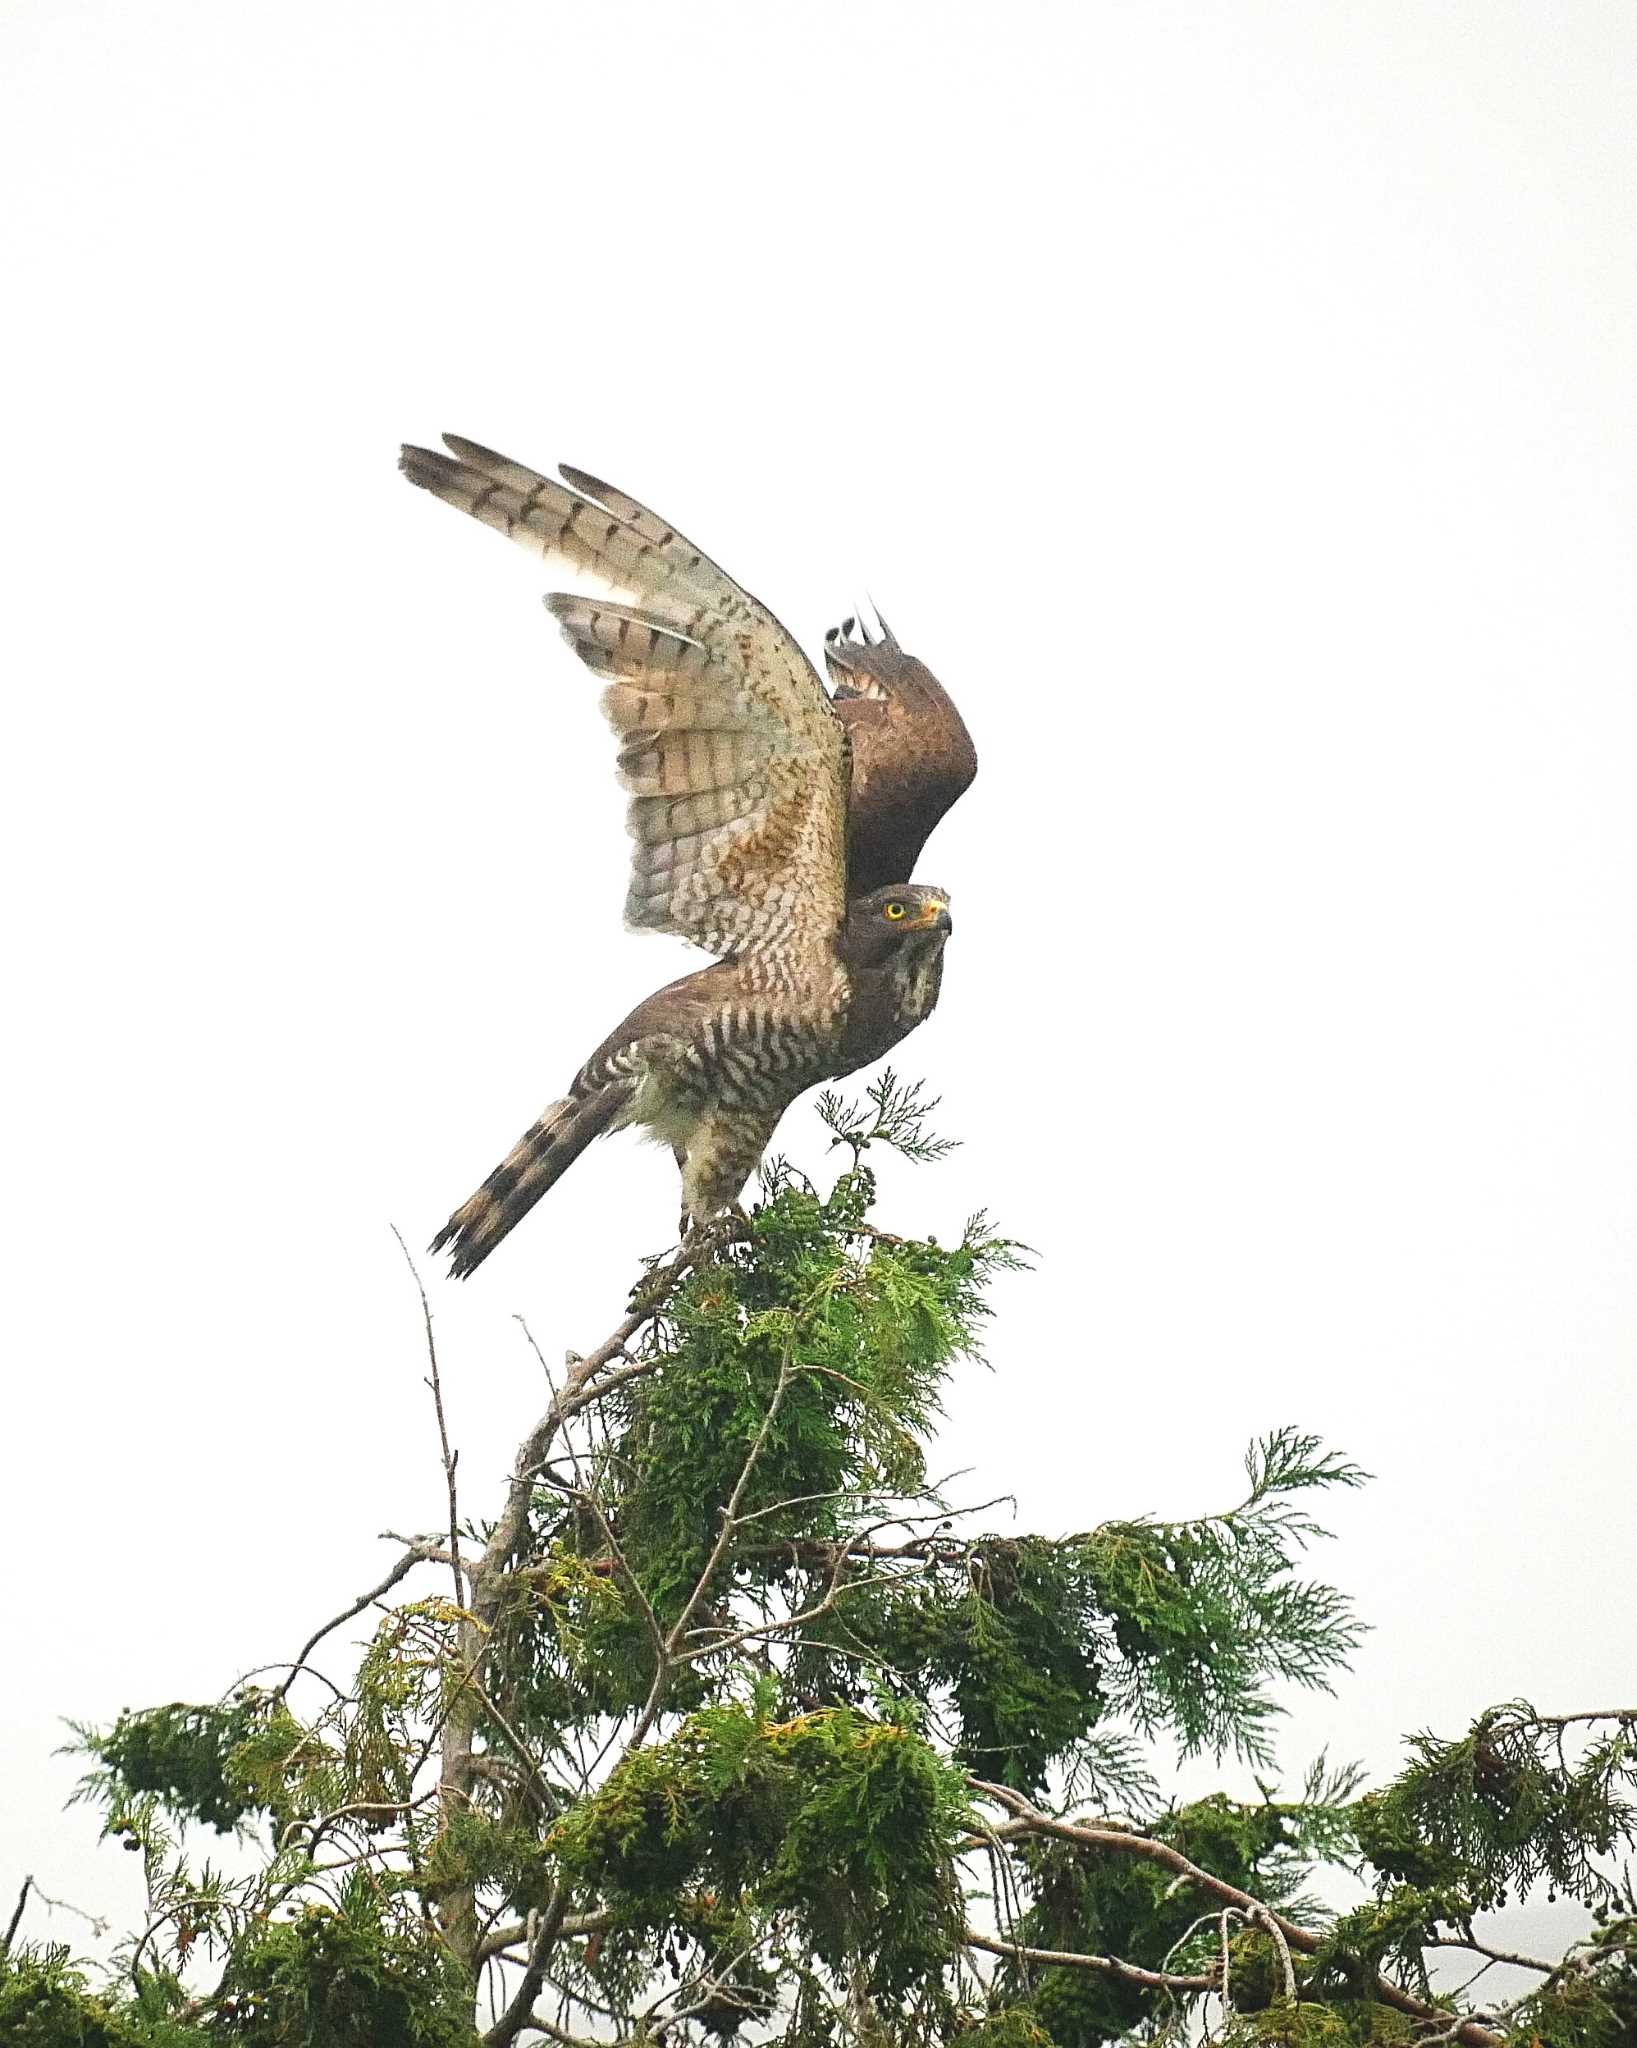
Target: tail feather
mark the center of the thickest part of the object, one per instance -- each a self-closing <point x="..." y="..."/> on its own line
<point x="544" y="1153"/>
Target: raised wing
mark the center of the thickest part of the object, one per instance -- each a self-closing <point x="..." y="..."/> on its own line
<point x="735" y="761"/>
<point x="912" y="754"/>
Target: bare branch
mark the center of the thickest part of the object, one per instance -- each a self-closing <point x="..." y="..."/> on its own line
<point x="450" y="1458"/>
<point x="1568" y="1720"/>
<point x="1276" y="1933"/>
<point x="520" y="2010"/>
<point x="16" y="1916"/>
<point x="401" y="1570"/>
<point x="553" y="2032"/>
<point x="1494" y="1955"/>
<point x="500" y="1938"/>
<point x="1073" y="1959"/>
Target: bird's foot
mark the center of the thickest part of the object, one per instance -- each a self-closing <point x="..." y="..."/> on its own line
<point x="715" y="1233"/>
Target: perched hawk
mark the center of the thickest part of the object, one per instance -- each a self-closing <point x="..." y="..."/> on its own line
<point x="772" y="824"/>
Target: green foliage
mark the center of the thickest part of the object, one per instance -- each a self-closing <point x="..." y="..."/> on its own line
<point x="1084" y="1899"/>
<point x="1015" y="1639"/>
<point x="818" y="1343"/>
<point x="736" y="1719"/>
<point x="842" y="1822"/>
<point x="1007" y="2026"/>
<point x="203" y="1763"/>
<point x="1205" y="1613"/>
<point x="861" y="1346"/>
<point x="1311" y="2024"/>
<point x="893" y="1113"/>
<point x="343" y="1977"/>
<point x="1592" y="2001"/>
<point x="45" y="2003"/>
<point x="1505" y="1807"/>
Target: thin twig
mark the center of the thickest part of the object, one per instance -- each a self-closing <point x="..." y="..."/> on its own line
<point x="315" y="1828"/>
<point x="1074" y="1959"/>
<point x="292" y="1671"/>
<point x="450" y="1458"/>
<point x="1494" y="1955"/>
<point x="588" y="1500"/>
<point x="401" y="1570"/>
<point x="1270" y="1926"/>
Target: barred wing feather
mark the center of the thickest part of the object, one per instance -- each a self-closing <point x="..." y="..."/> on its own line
<point x="735" y="763"/>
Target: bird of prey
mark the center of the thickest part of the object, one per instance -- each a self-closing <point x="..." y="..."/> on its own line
<point x="771" y="823"/>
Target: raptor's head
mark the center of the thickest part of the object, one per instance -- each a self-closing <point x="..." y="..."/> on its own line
<point x="904" y="918"/>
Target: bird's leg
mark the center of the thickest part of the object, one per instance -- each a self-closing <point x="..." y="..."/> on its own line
<point x="722" y="1152"/>
<point x="715" y="1233"/>
<point x="685" y="1227"/>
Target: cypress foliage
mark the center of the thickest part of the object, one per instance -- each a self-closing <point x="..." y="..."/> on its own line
<point x="731" y="1722"/>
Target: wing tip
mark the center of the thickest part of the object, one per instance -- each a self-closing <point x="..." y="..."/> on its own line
<point x="586" y="484"/>
<point x="428" y="467"/>
<point x="475" y="453"/>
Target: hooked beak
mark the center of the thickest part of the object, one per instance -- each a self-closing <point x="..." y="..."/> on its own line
<point x="935" y="918"/>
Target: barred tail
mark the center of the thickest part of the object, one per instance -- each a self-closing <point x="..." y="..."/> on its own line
<point x="544" y="1153"/>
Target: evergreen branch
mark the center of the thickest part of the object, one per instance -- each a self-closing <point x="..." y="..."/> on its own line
<point x="896" y="1117"/>
<point x="1503" y="1807"/>
<point x="1469" y="2032"/>
<point x="733" y="1679"/>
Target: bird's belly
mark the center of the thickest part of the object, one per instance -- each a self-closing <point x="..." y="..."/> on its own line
<point x="758" y="1071"/>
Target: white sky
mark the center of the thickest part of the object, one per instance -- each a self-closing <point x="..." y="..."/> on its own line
<point x="1235" y="405"/>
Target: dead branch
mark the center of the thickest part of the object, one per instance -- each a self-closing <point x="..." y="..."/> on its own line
<point x="401" y="1570"/>
<point x="450" y="1458"/>
<point x="16" y="1916"/>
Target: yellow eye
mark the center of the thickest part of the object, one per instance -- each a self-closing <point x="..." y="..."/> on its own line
<point x="895" y="910"/>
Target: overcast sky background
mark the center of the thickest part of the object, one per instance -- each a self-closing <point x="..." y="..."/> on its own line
<point x="1234" y="404"/>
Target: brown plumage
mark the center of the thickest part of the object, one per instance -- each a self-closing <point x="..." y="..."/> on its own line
<point x="912" y="754"/>
<point x="751" y="794"/>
